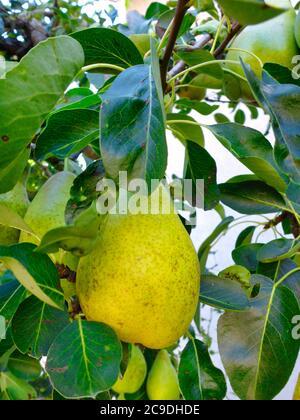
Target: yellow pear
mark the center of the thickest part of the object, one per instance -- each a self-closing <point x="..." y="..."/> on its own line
<point x="134" y="375"/>
<point x="142" y="278"/>
<point x="47" y="210"/>
<point x="162" y="383"/>
<point x="16" y="200"/>
<point x="272" y="42"/>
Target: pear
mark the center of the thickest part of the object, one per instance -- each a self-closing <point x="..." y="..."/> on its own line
<point x="16" y="200"/>
<point x="142" y="278"/>
<point x="162" y="383"/>
<point x="272" y="42"/>
<point x="135" y="373"/>
<point x="47" y="210"/>
<point x="297" y="29"/>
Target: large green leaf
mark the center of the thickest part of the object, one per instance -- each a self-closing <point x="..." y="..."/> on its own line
<point x="246" y="256"/>
<point x="36" y="272"/>
<point x="257" y="346"/>
<point x="36" y="325"/>
<point x="223" y="293"/>
<point x="68" y="132"/>
<point x="84" y="359"/>
<point x="199" y="379"/>
<point x="200" y="166"/>
<point x="252" y="197"/>
<point x="27" y="95"/>
<point x="133" y="127"/>
<point x="252" y="149"/>
<point x="107" y="46"/>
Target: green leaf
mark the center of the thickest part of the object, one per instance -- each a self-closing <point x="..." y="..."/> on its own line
<point x="9" y="217"/>
<point x="282" y="103"/>
<point x="68" y="132"/>
<point x="24" y="367"/>
<point x="245" y="237"/>
<point x="201" y="166"/>
<point x="16" y="389"/>
<point x="185" y="131"/>
<point x="252" y="149"/>
<point x="250" y="12"/>
<point x="208" y="77"/>
<point x="246" y="256"/>
<point x="133" y="127"/>
<point x="35" y="272"/>
<point x="11" y="296"/>
<point x="36" y="325"/>
<point x="293" y="281"/>
<point x="26" y="101"/>
<point x="223" y="293"/>
<point x="278" y="250"/>
<point x="107" y="46"/>
<point x="84" y="190"/>
<point x="78" y="239"/>
<point x="252" y="197"/>
<point x="199" y="379"/>
<point x="205" y="248"/>
<point x="155" y="9"/>
<point x="257" y="346"/>
<point x="84" y="359"/>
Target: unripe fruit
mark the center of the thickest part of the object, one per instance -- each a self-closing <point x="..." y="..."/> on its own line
<point x="134" y="375"/>
<point x="162" y="383"/>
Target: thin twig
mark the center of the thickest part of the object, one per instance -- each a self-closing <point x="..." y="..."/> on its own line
<point x="181" y="9"/>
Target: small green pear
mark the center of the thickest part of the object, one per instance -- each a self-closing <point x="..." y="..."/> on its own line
<point x="142" y="278"/>
<point x="134" y="375"/>
<point x="16" y="200"/>
<point x="47" y="210"/>
<point x="162" y="383"/>
<point x="297" y="29"/>
<point x="272" y="42"/>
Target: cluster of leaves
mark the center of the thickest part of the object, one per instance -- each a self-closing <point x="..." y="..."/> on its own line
<point x="118" y="69"/>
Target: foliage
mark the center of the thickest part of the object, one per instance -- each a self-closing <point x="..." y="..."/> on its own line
<point x="95" y="97"/>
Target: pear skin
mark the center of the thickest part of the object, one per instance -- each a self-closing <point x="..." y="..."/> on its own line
<point x="16" y="200"/>
<point x="134" y="375"/>
<point x="47" y="210"/>
<point x="162" y="383"/>
<point x="272" y="41"/>
<point x="142" y="279"/>
<point x="297" y="29"/>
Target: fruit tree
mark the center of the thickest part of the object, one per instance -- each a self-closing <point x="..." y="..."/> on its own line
<point x="103" y="290"/>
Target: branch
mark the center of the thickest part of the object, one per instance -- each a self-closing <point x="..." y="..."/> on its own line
<point x="199" y="44"/>
<point x="181" y="9"/>
<point x="236" y="27"/>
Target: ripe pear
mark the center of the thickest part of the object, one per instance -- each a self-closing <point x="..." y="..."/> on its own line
<point x="47" y="210"/>
<point x="297" y="29"/>
<point x="135" y="373"/>
<point x="162" y="383"/>
<point x="142" y="278"/>
<point x="16" y="200"/>
<point x="272" y="42"/>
